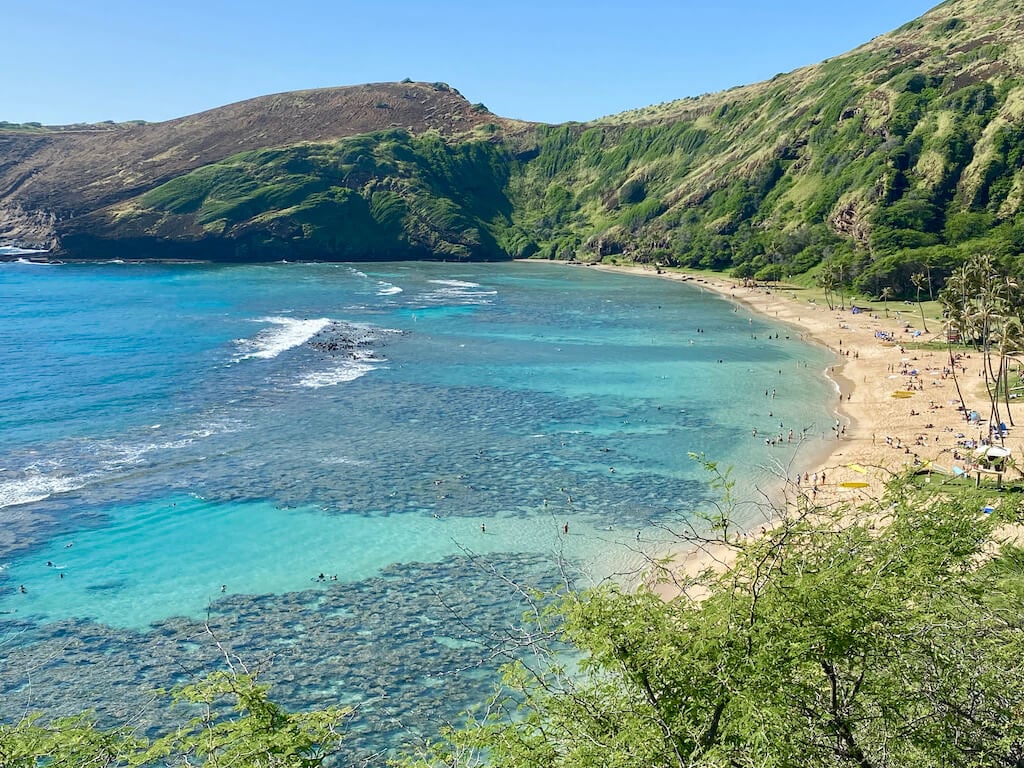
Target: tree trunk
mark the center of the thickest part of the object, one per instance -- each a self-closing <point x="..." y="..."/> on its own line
<point x="956" y="381"/>
<point x="1006" y="392"/>
<point x="991" y="380"/>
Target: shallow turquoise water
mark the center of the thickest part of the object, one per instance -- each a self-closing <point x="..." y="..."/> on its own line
<point x="169" y="430"/>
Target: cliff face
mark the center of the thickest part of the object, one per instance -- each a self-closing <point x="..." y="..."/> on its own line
<point x="899" y="157"/>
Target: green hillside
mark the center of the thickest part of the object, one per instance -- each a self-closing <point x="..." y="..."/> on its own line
<point x="386" y="195"/>
<point x="898" y="158"/>
<point x="901" y="156"/>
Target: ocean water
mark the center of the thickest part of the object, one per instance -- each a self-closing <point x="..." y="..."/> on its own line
<point x="344" y="473"/>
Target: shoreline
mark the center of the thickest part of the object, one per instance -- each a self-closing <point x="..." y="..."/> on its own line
<point x="865" y="374"/>
<point x="898" y="408"/>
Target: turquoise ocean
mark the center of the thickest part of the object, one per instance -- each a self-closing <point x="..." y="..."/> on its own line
<point x="342" y="474"/>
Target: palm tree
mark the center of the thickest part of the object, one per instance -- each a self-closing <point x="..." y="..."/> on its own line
<point x="827" y="280"/>
<point x="954" y="303"/>
<point x="984" y="305"/>
<point x="918" y="280"/>
<point x="886" y="294"/>
<point x="1010" y="333"/>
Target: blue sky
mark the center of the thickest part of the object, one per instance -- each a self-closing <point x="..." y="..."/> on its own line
<point x="69" y="61"/>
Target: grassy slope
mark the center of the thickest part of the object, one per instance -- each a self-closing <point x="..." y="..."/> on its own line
<point x="899" y="157"/>
<point x="906" y="151"/>
<point x="385" y="195"/>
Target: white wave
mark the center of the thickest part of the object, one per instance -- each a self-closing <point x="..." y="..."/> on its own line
<point x="117" y="455"/>
<point x="455" y="283"/>
<point x="340" y="374"/>
<point x="286" y="334"/>
<point x="458" y="292"/>
<point x="35" y="263"/>
<point x="36" y="488"/>
<point x="457" y="297"/>
<point x="365" y="333"/>
<point x="387" y="289"/>
<point x="357" y="273"/>
<point x="122" y="456"/>
<point x="13" y="250"/>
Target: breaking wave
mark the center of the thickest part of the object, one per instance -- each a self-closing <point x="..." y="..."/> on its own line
<point x="36" y="487"/>
<point x="285" y="333"/>
<point x="458" y="292"/>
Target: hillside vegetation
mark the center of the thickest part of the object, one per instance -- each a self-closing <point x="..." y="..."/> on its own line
<point x="898" y="158"/>
<point x="903" y="154"/>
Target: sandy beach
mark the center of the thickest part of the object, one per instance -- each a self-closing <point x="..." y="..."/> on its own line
<point x="922" y="426"/>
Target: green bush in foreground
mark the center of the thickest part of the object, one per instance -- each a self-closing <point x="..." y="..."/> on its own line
<point x="234" y="725"/>
<point x="892" y="639"/>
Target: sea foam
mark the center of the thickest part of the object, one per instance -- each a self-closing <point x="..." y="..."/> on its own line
<point x="286" y="334"/>
<point x="13" y="250"/>
<point x="36" y="488"/>
<point x="387" y="289"/>
<point x="458" y="292"/>
<point x="340" y="374"/>
<point x="34" y="263"/>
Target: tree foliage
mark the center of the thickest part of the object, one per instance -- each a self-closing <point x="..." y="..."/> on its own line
<point x="890" y="638"/>
<point x="983" y="306"/>
<point x="233" y="725"/>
